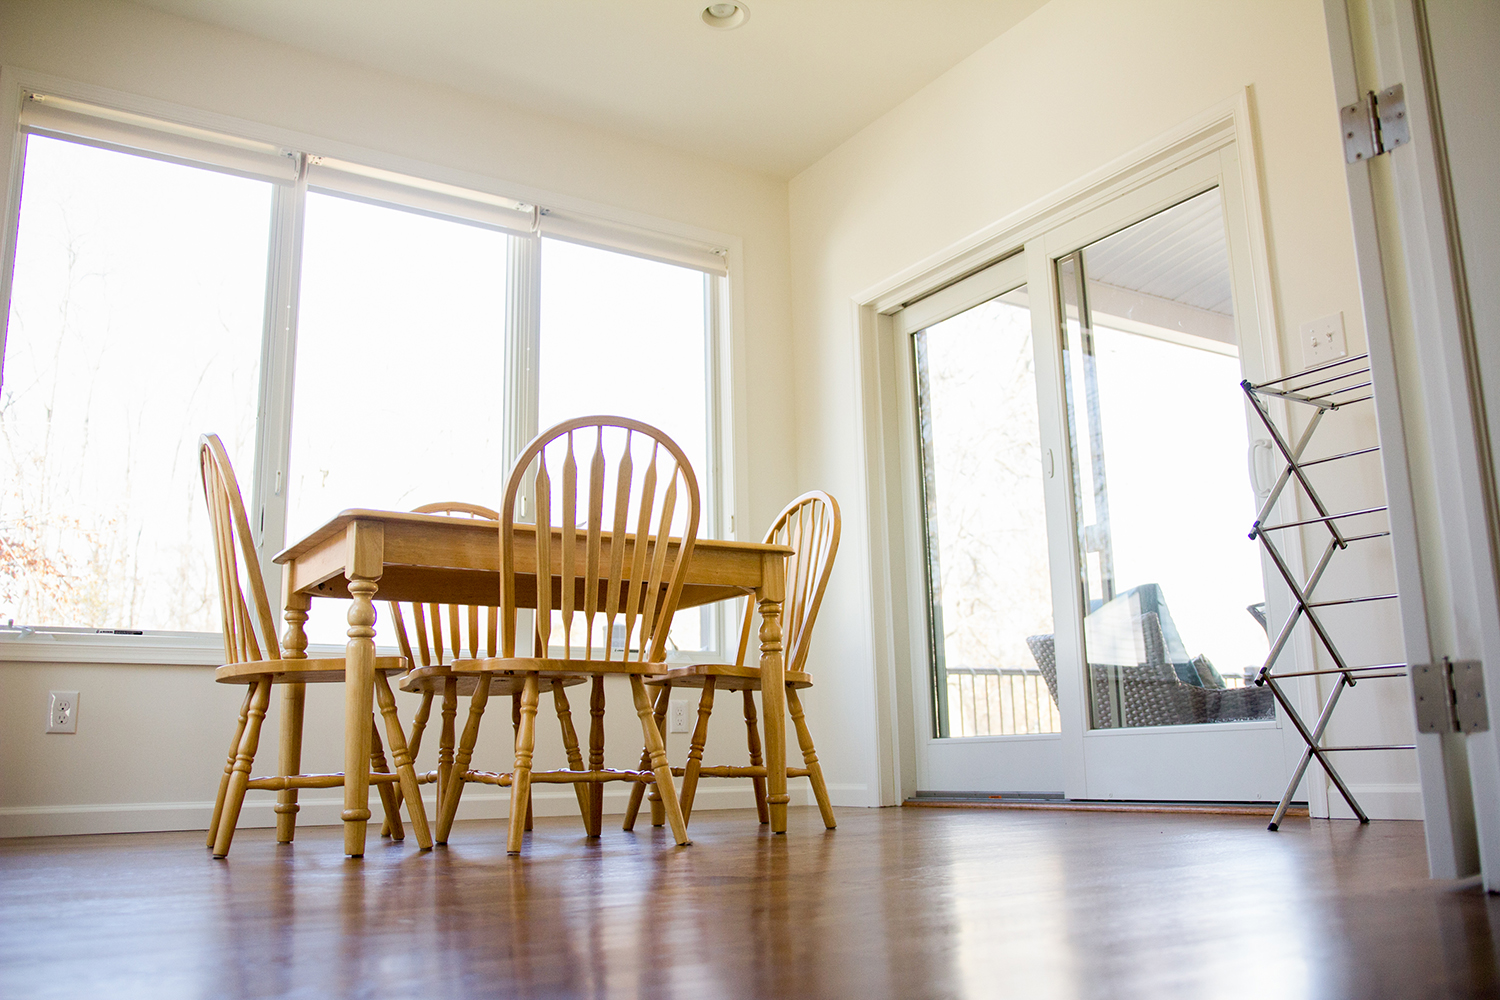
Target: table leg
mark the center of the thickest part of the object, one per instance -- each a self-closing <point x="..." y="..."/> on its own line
<point x="773" y="685"/>
<point x="364" y="559"/>
<point x="294" y="639"/>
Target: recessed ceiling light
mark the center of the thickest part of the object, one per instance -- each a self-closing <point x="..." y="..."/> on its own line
<point x="725" y="15"/>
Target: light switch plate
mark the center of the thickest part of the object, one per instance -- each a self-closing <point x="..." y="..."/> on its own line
<point x="62" y="711"/>
<point x="1323" y="340"/>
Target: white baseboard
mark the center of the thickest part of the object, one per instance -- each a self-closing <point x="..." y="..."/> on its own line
<point x="1379" y="801"/>
<point x="324" y="809"/>
<point x="839" y="793"/>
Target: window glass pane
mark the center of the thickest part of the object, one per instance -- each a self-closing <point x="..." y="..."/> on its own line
<point x="399" y="372"/>
<point x="626" y="336"/>
<point x="135" y="326"/>
<point x="623" y="335"/>
<point x="1157" y="431"/>
<point x="989" y="575"/>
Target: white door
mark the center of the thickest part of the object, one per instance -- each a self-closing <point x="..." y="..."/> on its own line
<point x="1093" y="599"/>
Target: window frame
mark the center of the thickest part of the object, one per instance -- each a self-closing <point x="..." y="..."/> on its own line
<point x="434" y="190"/>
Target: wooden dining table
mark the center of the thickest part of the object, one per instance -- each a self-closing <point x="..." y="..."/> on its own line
<point x="433" y="558"/>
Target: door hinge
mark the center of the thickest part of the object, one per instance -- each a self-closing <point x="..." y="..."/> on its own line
<point x="1450" y="697"/>
<point x="1375" y="124"/>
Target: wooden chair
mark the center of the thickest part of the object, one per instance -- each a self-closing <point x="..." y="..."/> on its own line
<point x="447" y="634"/>
<point x="810" y="525"/>
<point x="610" y="562"/>
<point x="253" y="657"/>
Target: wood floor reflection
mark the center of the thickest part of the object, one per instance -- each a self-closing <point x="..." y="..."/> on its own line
<point x="894" y="903"/>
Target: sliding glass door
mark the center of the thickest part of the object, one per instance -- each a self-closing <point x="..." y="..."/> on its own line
<point x="992" y="697"/>
<point x="1095" y="611"/>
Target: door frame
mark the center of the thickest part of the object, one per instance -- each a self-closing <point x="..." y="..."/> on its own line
<point x="898" y="613"/>
<point x="1431" y="409"/>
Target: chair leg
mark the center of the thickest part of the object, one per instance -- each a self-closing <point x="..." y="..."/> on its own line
<point x="653" y="794"/>
<point x="414" y="744"/>
<point x="244" y="759"/>
<point x="570" y="745"/>
<point x="234" y="749"/>
<point x="520" y="782"/>
<point x="695" y="753"/>
<point x="515" y="728"/>
<point x="405" y="772"/>
<point x="638" y="788"/>
<point x="389" y="802"/>
<point x="293" y="699"/>
<point x="445" y="737"/>
<point x="419" y="724"/>
<point x="448" y="806"/>
<point x="752" y="737"/>
<point x="810" y="758"/>
<point x="659" y="765"/>
<point x="596" y="755"/>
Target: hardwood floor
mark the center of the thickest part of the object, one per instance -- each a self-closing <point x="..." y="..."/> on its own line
<point x="894" y="903"/>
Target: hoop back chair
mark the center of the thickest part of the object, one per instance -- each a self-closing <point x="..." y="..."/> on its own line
<point x="253" y="657"/>
<point x="810" y="525"/>
<point x="605" y="575"/>
<point x="446" y="634"/>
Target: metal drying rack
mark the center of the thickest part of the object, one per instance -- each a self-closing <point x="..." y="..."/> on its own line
<point x="1326" y="388"/>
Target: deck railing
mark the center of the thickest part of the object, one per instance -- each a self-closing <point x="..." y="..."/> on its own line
<point x="999" y="701"/>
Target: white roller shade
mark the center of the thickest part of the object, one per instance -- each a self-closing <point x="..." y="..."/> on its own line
<point x="355" y="180"/>
<point x="632" y="240"/>
<point x="61" y="118"/>
<point x="58" y="117"/>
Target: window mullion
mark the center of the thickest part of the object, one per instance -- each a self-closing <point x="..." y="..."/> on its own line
<point x="278" y="354"/>
<point x="714" y="621"/>
<point x="523" y="338"/>
<point x="8" y="239"/>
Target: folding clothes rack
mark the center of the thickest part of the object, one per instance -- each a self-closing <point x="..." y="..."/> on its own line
<point x="1326" y="388"/>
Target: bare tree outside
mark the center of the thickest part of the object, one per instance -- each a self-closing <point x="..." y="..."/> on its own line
<point x="135" y="326"/>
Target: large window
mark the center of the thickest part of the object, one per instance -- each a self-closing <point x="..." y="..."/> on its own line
<point x="640" y="323"/>
<point x="135" y="325"/>
<point x="410" y="309"/>
<point x="357" y="338"/>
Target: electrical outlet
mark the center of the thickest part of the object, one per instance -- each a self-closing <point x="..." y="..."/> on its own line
<point x="1323" y="340"/>
<point x="677" y="721"/>
<point x="62" y="711"/>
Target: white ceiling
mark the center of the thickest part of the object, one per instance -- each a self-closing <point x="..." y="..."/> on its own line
<point x="776" y="94"/>
<point x="1179" y="254"/>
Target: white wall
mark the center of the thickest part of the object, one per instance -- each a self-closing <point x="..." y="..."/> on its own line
<point x="151" y="739"/>
<point x="1076" y="85"/>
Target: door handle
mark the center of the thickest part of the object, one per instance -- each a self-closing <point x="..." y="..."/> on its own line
<point x="1261" y="492"/>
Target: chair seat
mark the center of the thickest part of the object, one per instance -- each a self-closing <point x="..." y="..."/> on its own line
<point x="422" y="680"/>
<point x="551" y="669"/>
<point x="310" y="671"/>
<point x="729" y="677"/>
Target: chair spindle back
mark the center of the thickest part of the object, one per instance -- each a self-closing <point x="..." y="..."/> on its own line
<point x="247" y="628"/>
<point x="810" y="525"/>
<point x="466" y="636"/>
<point x="626" y="569"/>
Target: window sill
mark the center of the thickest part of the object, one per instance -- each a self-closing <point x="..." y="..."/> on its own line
<point x="195" y="649"/>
